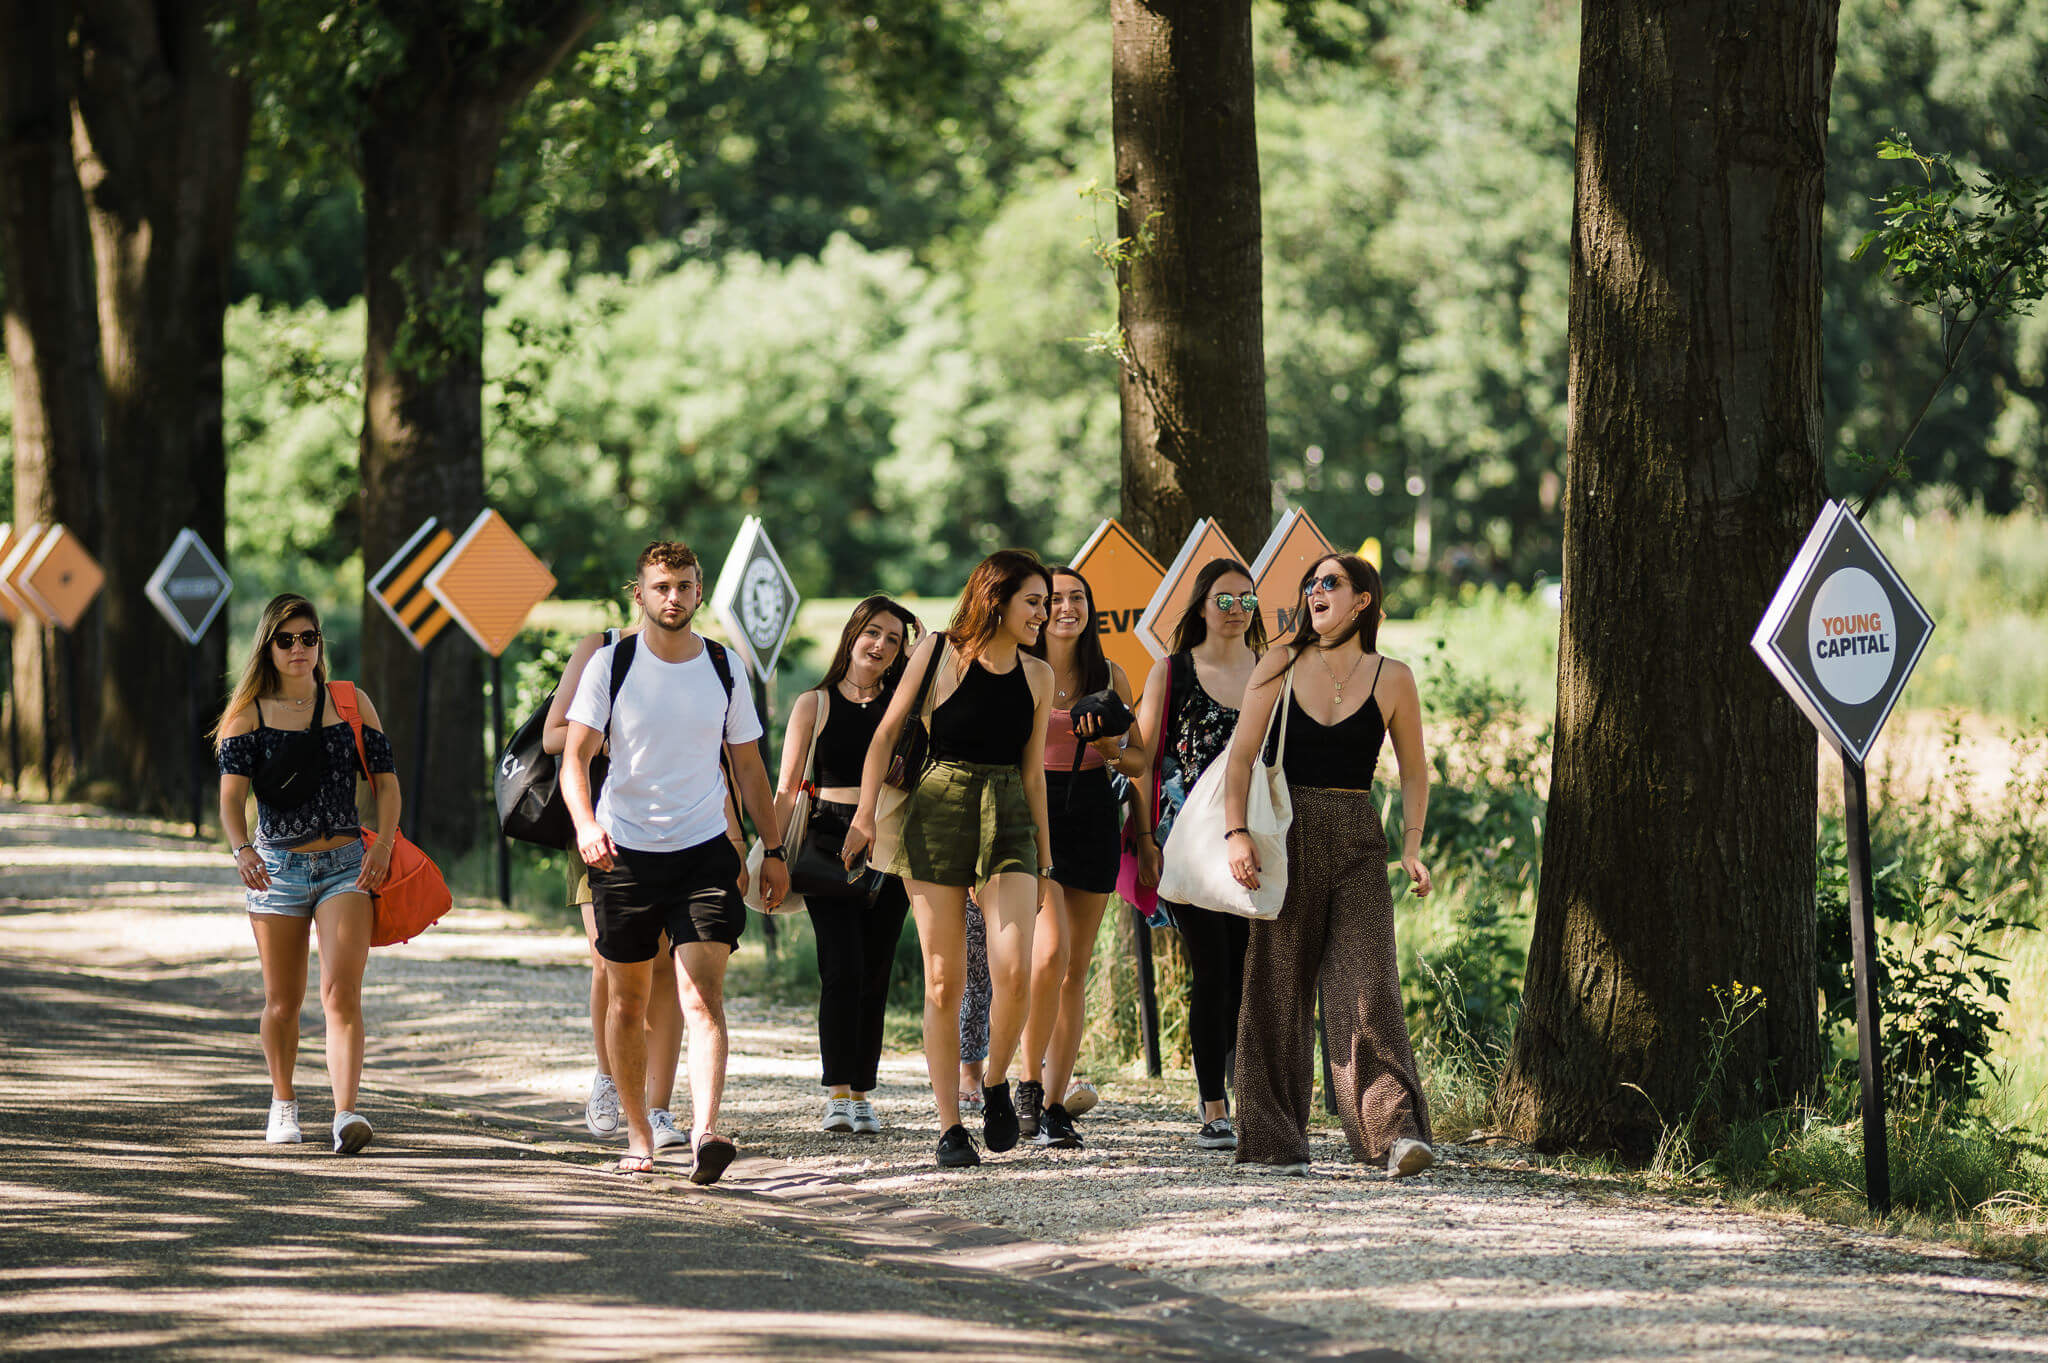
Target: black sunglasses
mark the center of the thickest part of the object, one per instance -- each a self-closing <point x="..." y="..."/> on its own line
<point x="1329" y="582"/>
<point x="284" y="638"/>
<point x="1226" y="602"/>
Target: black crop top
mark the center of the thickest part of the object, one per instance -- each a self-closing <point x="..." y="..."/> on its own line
<point x="986" y="720"/>
<point x="332" y="810"/>
<point x="1338" y="756"/>
<point x="843" y="743"/>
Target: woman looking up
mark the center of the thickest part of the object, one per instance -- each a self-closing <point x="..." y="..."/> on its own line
<point x="976" y="819"/>
<point x="1335" y="931"/>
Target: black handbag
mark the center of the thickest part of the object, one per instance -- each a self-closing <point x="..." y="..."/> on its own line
<point x="291" y="776"/>
<point x="913" y="751"/>
<point x="815" y="870"/>
<point x="1112" y="718"/>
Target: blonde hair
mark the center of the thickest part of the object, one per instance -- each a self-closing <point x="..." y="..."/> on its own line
<point x="260" y="676"/>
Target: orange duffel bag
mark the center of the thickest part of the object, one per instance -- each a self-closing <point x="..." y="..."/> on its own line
<point x="414" y="895"/>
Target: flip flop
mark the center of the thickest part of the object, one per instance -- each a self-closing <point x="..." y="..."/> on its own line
<point x="633" y="1164"/>
<point x="714" y="1154"/>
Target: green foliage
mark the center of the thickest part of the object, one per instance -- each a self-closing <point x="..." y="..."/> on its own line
<point x="1984" y="579"/>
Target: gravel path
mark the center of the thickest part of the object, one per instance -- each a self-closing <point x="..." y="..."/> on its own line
<point x="1477" y="1259"/>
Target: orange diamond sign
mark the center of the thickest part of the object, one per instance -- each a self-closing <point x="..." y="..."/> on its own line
<point x="59" y="578"/>
<point x="1177" y="586"/>
<point x="1123" y="578"/>
<point x="490" y="582"/>
<point x="1296" y="545"/>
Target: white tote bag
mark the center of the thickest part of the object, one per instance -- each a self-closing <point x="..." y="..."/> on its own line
<point x="1197" y="857"/>
<point x="799" y="824"/>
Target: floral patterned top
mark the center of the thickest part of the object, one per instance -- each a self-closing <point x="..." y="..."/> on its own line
<point x="1199" y="731"/>
<point x="332" y="810"/>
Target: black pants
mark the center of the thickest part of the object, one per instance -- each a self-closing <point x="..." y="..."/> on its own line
<point x="856" y="947"/>
<point x="1215" y="944"/>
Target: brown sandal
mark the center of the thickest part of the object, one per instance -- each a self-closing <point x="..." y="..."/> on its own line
<point x="714" y="1155"/>
<point x="634" y="1164"/>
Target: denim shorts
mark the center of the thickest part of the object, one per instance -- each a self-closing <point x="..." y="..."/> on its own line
<point x="301" y="882"/>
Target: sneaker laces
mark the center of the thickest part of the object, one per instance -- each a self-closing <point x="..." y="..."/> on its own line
<point x="605" y="1102"/>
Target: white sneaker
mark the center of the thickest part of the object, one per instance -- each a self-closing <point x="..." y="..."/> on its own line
<point x="865" y="1122"/>
<point x="1409" y="1157"/>
<point x="351" y="1132"/>
<point x="601" y="1111"/>
<point x="665" y="1133"/>
<point x="284" y="1123"/>
<point x="838" y="1115"/>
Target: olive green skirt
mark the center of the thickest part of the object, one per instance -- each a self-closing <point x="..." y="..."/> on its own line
<point x="966" y="822"/>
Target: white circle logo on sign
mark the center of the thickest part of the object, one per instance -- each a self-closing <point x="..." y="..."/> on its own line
<point x="1852" y="636"/>
<point x="761" y="603"/>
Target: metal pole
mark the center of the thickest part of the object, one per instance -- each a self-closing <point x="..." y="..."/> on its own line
<point x="416" y="798"/>
<point x="195" y="736"/>
<point x="13" y="722"/>
<point x="1148" y="999"/>
<point x="75" y="739"/>
<point x="1877" y="1178"/>
<point x="762" y="708"/>
<point x="490" y="789"/>
<point x="50" y="712"/>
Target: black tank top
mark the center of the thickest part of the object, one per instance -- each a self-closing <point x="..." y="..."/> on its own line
<point x="843" y="743"/>
<point x="1338" y="756"/>
<point x="986" y="719"/>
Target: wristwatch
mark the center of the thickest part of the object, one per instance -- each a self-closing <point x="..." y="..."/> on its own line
<point x="775" y="852"/>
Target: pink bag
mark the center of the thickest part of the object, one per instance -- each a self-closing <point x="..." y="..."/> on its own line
<point x="1145" y="898"/>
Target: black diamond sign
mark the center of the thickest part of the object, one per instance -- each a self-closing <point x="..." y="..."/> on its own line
<point x="189" y="587"/>
<point x="756" y="598"/>
<point x="1843" y="633"/>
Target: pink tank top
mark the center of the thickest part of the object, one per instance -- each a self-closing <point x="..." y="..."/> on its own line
<point x="1060" y="744"/>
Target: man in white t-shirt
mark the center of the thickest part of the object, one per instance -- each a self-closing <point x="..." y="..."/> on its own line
<point x="657" y="846"/>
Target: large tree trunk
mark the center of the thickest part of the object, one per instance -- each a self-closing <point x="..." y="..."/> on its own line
<point x="52" y="351"/>
<point x="1679" y="856"/>
<point x="427" y="152"/>
<point x="160" y="135"/>
<point x="1194" y="371"/>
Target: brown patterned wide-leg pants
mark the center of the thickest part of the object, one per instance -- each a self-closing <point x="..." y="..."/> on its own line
<point x="1335" y="933"/>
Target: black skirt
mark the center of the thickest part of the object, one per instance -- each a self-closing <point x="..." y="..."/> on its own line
<point x="1086" y="827"/>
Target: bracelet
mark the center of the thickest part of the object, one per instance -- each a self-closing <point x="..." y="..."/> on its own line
<point x="775" y="852"/>
<point x="1231" y="833"/>
<point x="1416" y="831"/>
<point x="236" y="852"/>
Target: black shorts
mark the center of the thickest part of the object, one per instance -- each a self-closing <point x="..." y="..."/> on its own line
<point x="692" y="895"/>
<point x="1085" y="827"/>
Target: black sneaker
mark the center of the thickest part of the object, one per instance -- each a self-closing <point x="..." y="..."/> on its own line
<point x="1030" y="1102"/>
<point x="956" y="1150"/>
<point x="998" y="1118"/>
<point x="1056" y="1130"/>
<point x="1216" y="1134"/>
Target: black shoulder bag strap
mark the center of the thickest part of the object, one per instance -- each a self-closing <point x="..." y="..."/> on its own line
<point x="721" y="663"/>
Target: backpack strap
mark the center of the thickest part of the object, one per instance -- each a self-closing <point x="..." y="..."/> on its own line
<point x="721" y="663"/>
<point x="343" y="694"/>
<point x="622" y="663"/>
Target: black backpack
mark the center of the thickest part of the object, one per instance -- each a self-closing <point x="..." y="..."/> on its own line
<point x="528" y="784"/>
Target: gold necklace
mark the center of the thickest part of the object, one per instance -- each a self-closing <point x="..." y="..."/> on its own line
<point x="1324" y="655"/>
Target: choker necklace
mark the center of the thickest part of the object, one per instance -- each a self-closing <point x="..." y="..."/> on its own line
<point x="863" y="701"/>
<point x="300" y="704"/>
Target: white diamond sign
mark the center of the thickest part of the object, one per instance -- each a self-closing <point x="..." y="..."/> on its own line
<point x="1843" y="633"/>
<point x="756" y="598"/>
<point x="189" y="587"/>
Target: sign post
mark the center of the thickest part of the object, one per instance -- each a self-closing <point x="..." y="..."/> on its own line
<point x="188" y="589"/>
<point x="756" y="600"/>
<point x="59" y="580"/>
<point x="398" y="588"/>
<point x="1296" y="545"/>
<point x="12" y="611"/>
<point x="1123" y="579"/>
<point x="489" y="582"/>
<point x="1842" y="636"/>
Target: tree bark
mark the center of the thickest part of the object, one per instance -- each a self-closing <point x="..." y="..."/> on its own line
<point x="1193" y="382"/>
<point x="159" y="138"/>
<point x="52" y="347"/>
<point x="426" y="154"/>
<point x="1679" y="857"/>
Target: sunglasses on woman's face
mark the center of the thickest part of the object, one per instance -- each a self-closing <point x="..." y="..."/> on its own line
<point x="1226" y="603"/>
<point x="285" y="639"/>
<point x="1328" y="582"/>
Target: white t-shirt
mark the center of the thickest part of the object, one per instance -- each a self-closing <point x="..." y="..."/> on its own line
<point x="666" y="790"/>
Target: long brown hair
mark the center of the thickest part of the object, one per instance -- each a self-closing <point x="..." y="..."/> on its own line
<point x="1088" y="652"/>
<point x="1194" y="626"/>
<point x="1365" y="626"/>
<point x="260" y="676"/>
<point x="863" y="615"/>
<point x="987" y="595"/>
